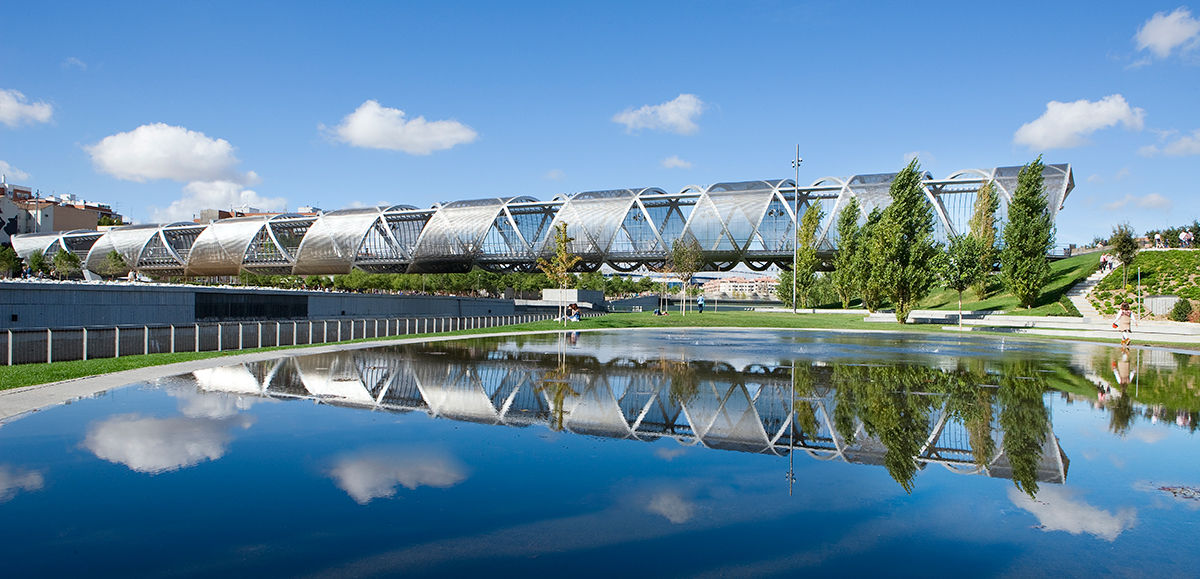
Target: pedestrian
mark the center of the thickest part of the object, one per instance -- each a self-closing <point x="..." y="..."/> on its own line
<point x="1104" y="262"/>
<point x="1183" y="239"/>
<point x="700" y="304"/>
<point x="1157" y="241"/>
<point x="1123" y="322"/>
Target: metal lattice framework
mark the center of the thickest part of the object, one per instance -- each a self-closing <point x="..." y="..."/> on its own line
<point x="744" y="410"/>
<point x="751" y="222"/>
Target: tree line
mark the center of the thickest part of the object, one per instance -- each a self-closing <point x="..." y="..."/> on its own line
<point x="892" y="259"/>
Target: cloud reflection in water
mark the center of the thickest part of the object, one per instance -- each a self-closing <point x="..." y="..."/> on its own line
<point x="366" y="476"/>
<point x="1056" y="511"/>
<point x="14" y="480"/>
<point x="157" y="445"/>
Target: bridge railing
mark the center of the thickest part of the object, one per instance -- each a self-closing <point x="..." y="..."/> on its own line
<point x="38" y="346"/>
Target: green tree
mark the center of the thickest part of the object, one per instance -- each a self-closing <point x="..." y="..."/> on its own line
<point x="963" y="266"/>
<point x="113" y="265"/>
<point x="905" y="255"/>
<point x="1025" y="421"/>
<point x="37" y="262"/>
<point x="10" y="262"/>
<point x="687" y="257"/>
<point x="1028" y="237"/>
<point x="1126" y="248"/>
<point x="983" y="228"/>
<point x="844" y="276"/>
<point x="806" y="252"/>
<point x="558" y="267"/>
<point x="66" y="263"/>
<point x="869" y="286"/>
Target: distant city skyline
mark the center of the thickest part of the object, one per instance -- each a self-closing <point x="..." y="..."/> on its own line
<point x="163" y="110"/>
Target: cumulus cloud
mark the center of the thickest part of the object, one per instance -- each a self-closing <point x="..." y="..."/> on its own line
<point x="672" y="506"/>
<point x="1065" y="125"/>
<point x="674" y="162"/>
<point x="199" y="195"/>
<point x="1163" y="33"/>
<point x="554" y="175"/>
<point x="72" y="62"/>
<point x="674" y="116"/>
<point x="12" y="172"/>
<point x="162" y="151"/>
<point x="1056" y="511"/>
<point x="214" y="406"/>
<point x="15" y="110"/>
<point x="372" y="126"/>
<point x="14" y="480"/>
<point x="372" y="475"/>
<point x="155" y="445"/>
<point x="1149" y="201"/>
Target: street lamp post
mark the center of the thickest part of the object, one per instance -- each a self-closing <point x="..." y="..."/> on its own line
<point x="796" y="222"/>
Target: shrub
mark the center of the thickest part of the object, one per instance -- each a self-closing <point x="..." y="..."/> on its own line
<point x="1182" y="310"/>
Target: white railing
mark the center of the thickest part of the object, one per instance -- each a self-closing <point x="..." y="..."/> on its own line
<point x="37" y="346"/>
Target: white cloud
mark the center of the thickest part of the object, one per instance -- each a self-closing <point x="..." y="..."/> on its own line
<point x="154" y="445"/>
<point x="673" y="507"/>
<point x="1150" y="201"/>
<point x="372" y="126"/>
<point x="15" y="111"/>
<point x="554" y="175"/>
<point x="1184" y="145"/>
<point x="12" y="172"/>
<point x="1164" y="32"/>
<point x="674" y="162"/>
<point x="162" y="151"/>
<point x="372" y="475"/>
<point x="72" y="62"/>
<point x="675" y="116"/>
<point x="1064" y="125"/>
<point x="15" y="480"/>
<point x="1056" y="511"/>
<point x="1098" y="180"/>
<point x="199" y="195"/>
<point x="925" y="156"/>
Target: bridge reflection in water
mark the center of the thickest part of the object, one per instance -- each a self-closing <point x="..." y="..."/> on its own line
<point x="901" y="416"/>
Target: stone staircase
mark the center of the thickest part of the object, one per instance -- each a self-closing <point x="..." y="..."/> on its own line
<point x="1079" y="292"/>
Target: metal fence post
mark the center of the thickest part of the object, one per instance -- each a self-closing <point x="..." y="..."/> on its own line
<point x="116" y="341"/>
<point x="172" y="338"/>
<point x="145" y="340"/>
<point x="49" y="345"/>
<point x="220" y="337"/>
<point x="260" y="334"/>
<point x="85" y="344"/>
<point x="10" y="348"/>
<point x="241" y="334"/>
<point x="196" y="338"/>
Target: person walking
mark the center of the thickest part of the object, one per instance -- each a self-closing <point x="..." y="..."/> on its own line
<point x="700" y="304"/>
<point x="1123" y="322"/>
<point x="1158" y="241"/>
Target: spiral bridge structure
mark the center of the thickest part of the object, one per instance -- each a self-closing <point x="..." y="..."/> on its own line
<point x="750" y="222"/>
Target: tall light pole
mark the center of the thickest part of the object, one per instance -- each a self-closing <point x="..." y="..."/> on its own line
<point x="796" y="221"/>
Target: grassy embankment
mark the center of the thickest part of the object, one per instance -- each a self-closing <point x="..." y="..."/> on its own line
<point x="1163" y="273"/>
<point x="1064" y="274"/>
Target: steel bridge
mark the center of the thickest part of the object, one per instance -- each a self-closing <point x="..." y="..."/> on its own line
<point x="720" y="407"/>
<point x="751" y="222"/>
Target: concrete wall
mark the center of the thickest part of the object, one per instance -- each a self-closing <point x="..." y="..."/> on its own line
<point x="60" y="305"/>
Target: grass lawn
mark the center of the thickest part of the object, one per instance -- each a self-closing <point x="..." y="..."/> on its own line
<point x="1064" y="273"/>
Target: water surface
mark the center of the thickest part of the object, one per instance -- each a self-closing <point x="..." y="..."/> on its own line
<point x="672" y="453"/>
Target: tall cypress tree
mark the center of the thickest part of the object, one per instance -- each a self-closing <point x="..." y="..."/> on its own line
<point x="806" y="252"/>
<point x="1028" y="237"/>
<point x="983" y="228"/>
<point x="869" y="286"/>
<point x="845" y="277"/>
<point x="907" y="259"/>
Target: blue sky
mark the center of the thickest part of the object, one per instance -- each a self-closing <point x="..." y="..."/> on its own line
<point x="164" y="108"/>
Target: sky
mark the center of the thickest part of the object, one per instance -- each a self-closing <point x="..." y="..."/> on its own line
<point x="162" y="109"/>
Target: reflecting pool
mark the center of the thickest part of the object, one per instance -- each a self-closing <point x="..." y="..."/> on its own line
<point x="667" y="453"/>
